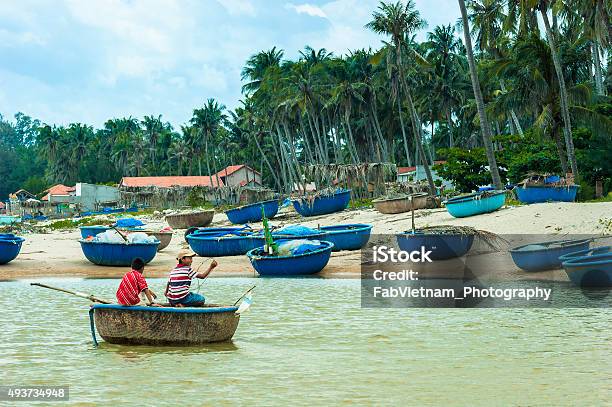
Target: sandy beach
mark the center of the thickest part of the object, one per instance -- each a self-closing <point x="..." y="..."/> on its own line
<point x="59" y="253"/>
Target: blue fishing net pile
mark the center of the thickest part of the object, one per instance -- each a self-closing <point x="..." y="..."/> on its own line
<point x="128" y="223"/>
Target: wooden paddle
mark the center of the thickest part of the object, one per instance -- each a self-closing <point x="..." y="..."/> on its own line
<point x="75" y="293"/>
<point x="242" y="296"/>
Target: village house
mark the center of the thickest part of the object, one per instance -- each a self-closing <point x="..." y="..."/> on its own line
<point x="240" y="175"/>
<point x="417" y="173"/>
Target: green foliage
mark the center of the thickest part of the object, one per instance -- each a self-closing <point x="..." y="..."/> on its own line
<point x="196" y="198"/>
<point x="66" y="224"/>
<point x="528" y="154"/>
<point x="467" y="169"/>
<point x="360" y="203"/>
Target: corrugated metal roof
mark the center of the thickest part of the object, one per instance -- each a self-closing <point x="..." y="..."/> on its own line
<point x="170" y="181"/>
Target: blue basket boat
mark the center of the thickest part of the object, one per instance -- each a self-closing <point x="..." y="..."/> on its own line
<point x="118" y="254"/>
<point x="475" y="204"/>
<point x="442" y="246"/>
<point x="536" y="194"/>
<point x="589" y="268"/>
<point x="235" y="243"/>
<point x="87" y="231"/>
<point x="348" y="237"/>
<point x="252" y="212"/>
<point x="10" y="246"/>
<point x="295" y="265"/>
<point x="545" y="256"/>
<point x="323" y="205"/>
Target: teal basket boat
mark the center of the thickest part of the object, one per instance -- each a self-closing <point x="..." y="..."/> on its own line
<point x="475" y="204"/>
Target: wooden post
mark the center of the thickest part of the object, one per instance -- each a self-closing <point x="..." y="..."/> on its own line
<point x="598" y="188"/>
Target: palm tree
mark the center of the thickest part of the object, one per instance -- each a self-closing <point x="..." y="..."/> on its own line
<point x="485" y="126"/>
<point x="399" y="21"/>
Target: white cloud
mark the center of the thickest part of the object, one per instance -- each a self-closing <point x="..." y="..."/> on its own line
<point x="306" y="8"/>
<point x="236" y="7"/>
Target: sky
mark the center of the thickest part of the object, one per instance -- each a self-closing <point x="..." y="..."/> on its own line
<point x="67" y="61"/>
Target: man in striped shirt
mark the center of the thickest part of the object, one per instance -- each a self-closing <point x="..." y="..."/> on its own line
<point x="133" y="284"/>
<point x="177" y="289"/>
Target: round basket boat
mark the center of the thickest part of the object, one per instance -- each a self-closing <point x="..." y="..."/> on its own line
<point x="535" y="194"/>
<point x="164" y="238"/>
<point x="252" y="212"/>
<point x="164" y="326"/>
<point x="10" y="246"/>
<point x="87" y="231"/>
<point x="442" y="246"/>
<point x="475" y="204"/>
<point x="589" y="268"/>
<point x="191" y="219"/>
<point x="224" y="243"/>
<point x="348" y="237"/>
<point x="545" y="256"/>
<point x="401" y="204"/>
<point x="213" y="245"/>
<point x="322" y="205"/>
<point x="285" y="266"/>
<point x="118" y="254"/>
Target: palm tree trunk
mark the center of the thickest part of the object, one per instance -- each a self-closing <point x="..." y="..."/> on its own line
<point x="517" y="124"/>
<point x="451" y="142"/>
<point x="401" y="119"/>
<point x="484" y="122"/>
<point x="567" y="129"/>
<point x="265" y="158"/>
<point x="559" y="144"/>
<point x="597" y="64"/>
<point x="418" y="136"/>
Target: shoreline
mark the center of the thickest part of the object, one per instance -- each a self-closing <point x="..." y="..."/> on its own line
<point x="58" y="254"/>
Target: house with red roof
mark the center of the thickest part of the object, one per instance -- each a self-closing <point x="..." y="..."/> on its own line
<point x="417" y="173"/>
<point x="59" y="193"/>
<point x="240" y="175"/>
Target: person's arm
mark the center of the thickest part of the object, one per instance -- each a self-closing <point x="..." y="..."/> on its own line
<point x="205" y="274"/>
<point x="151" y="297"/>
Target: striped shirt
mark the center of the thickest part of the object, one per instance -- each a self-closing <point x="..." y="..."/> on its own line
<point x="132" y="284"/>
<point x="180" y="281"/>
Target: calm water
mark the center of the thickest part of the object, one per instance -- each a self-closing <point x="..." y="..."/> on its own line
<point x="308" y="341"/>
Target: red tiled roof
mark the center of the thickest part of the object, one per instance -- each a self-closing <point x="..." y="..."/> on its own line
<point x="1" y="205"/>
<point x="404" y="170"/>
<point x="169" y="181"/>
<point x="230" y="169"/>
<point x="58" y="189"/>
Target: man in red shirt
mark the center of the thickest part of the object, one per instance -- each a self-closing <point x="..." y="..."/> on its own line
<point x="132" y="284"/>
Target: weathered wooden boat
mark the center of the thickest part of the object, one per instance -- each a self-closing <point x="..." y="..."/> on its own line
<point x="589" y="268"/>
<point x="190" y="219"/>
<point x="87" y="231"/>
<point x="117" y="254"/>
<point x="545" y="193"/>
<point x="10" y="246"/>
<point x="164" y="238"/>
<point x="294" y="265"/>
<point x="442" y="246"/>
<point x="401" y="204"/>
<point x="475" y="204"/>
<point x="163" y="326"/>
<point x="235" y="243"/>
<point x="252" y="212"/>
<point x="545" y="256"/>
<point x="324" y="204"/>
<point x="347" y="237"/>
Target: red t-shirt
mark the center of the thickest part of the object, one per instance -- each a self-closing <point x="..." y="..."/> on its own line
<point x="131" y="285"/>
